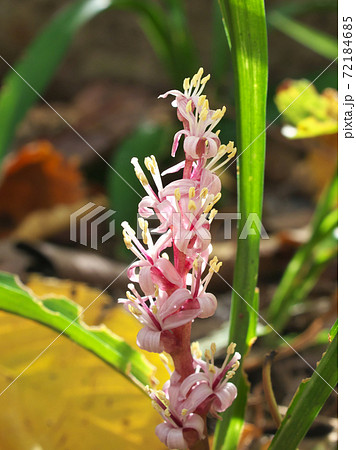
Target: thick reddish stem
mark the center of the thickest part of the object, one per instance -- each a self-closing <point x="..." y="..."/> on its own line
<point x="181" y="354"/>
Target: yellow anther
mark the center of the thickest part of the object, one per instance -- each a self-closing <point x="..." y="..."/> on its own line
<point x="130" y="296"/>
<point x="188" y="108"/>
<point x="184" y="412"/>
<point x="222" y="149"/>
<point x="217" y="132"/>
<point x="214" y="265"/>
<point x="219" y="113"/>
<point x="232" y="153"/>
<point x="212" y="368"/>
<point x="217" y="198"/>
<point x="191" y="205"/>
<point x="162" y="396"/>
<point x="195" y="348"/>
<point x="201" y="100"/>
<point x="186" y="84"/>
<point x="207" y="355"/>
<point x="204" y="114"/>
<point x="191" y="192"/>
<point x="154" y="309"/>
<point x="231" y="348"/>
<point x="177" y="194"/>
<point x="204" y="193"/>
<point x="154" y="161"/>
<point x="205" y="79"/>
<point x="127" y="239"/>
<point x="236" y="365"/>
<point x="156" y="291"/>
<point x="167" y="413"/>
<point x="141" y="176"/>
<point x="213" y="348"/>
<point x="213" y="213"/>
<point x="134" y="311"/>
<point x="214" y="260"/>
<point x="148" y="163"/>
<point x="195" y="264"/>
<point x="141" y="223"/>
<point x="206" y="104"/>
<point x="230" y="374"/>
<point x="200" y="73"/>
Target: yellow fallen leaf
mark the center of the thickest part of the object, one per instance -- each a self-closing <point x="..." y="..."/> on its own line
<point x="69" y="399"/>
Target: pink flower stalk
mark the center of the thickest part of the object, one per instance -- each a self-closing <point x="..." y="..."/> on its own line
<point x="171" y="293"/>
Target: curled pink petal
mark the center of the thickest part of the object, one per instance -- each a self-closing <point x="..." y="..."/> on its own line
<point x="181" y="318"/>
<point x="171" y="437"/>
<point x="150" y="340"/>
<point x="224" y="397"/>
<point x="175" y="439"/>
<point x="175" y="302"/>
<point x="145" y="207"/>
<point x="208" y="304"/>
<point x="176" y="139"/>
<point x="195" y="422"/>
<point x="191" y="381"/>
<point x="145" y="280"/>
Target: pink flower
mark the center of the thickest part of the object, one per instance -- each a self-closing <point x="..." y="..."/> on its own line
<point x="209" y="386"/>
<point x="181" y="427"/>
<point x="173" y="434"/>
<point x="198" y="119"/>
<point x="164" y="314"/>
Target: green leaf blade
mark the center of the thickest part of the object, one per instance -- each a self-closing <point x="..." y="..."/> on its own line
<point x="308" y="401"/>
<point x="245" y="24"/>
<point x="63" y="315"/>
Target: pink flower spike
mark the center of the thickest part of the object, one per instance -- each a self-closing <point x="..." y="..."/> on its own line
<point x="170" y="289"/>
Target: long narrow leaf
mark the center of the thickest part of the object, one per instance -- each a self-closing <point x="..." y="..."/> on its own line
<point x="308" y="401"/>
<point x="315" y="40"/>
<point x="63" y="315"/>
<point x="245" y="24"/>
<point x="38" y="65"/>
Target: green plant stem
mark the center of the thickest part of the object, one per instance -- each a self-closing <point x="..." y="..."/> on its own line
<point x="268" y="389"/>
<point x="245" y="25"/>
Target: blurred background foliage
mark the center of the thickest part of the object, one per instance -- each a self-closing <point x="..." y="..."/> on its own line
<point x="101" y="65"/>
